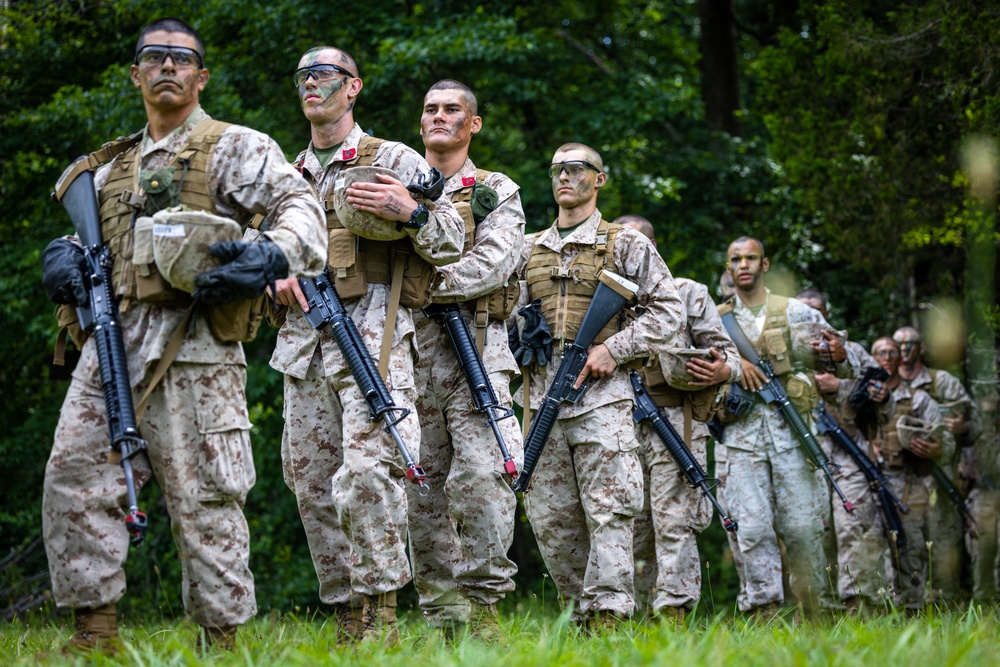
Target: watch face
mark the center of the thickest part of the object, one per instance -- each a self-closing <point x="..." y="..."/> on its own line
<point x="420" y="216"/>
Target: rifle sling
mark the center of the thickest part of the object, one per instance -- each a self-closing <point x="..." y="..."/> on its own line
<point x="399" y="263"/>
<point x="688" y="417"/>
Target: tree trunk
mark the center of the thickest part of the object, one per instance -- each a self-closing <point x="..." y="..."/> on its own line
<point x="719" y="84"/>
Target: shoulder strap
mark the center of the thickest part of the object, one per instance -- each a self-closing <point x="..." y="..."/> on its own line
<point x="104" y="154"/>
<point x="725" y="307"/>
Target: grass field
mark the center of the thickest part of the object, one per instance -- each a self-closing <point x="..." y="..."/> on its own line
<point x="537" y="639"/>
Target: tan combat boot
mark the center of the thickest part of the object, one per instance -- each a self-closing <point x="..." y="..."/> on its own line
<point x="484" y="623"/>
<point x="672" y="616"/>
<point x="374" y="620"/>
<point x="218" y="637"/>
<point x="604" y="622"/>
<point x="96" y="630"/>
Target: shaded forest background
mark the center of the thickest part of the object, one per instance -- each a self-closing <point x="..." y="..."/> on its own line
<point x="839" y="132"/>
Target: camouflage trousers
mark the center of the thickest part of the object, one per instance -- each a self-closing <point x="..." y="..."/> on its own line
<point x="947" y="542"/>
<point x="585" y="492"/>
<point x="460" y="533"/>
<point x="777" y="496"/>
<point x="348" y="479"/>
<point x="984" y="504"/>
<point x="667" y="564"/>
<point x="862" y="543"/>
<point x="909" y="569"/>
<point x="197" y="432"/>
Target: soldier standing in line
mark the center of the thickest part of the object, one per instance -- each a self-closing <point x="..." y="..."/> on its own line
<point x="769" y="482"/>
<point x="860" y="535"/>
<point x="588" y="483"/>
<point x="357" y="534"/>
<point x="961" y="416"/>
<point x="196" y="424"/>
<point x="907" y="466"/>
<point x="460" y="536"/>
<point x="668" y="567"/>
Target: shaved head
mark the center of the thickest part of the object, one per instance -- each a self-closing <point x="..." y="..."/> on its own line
<point x="592" y="156"/>
<point x="345" y="59"/>
<point x="467" y="94"/>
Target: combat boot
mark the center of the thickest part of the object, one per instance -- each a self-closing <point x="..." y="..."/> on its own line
<point x="374" y="620"/>
<point x="218" y="637"/>
<point x="672" y="616"/>
<point x="96" y="631"/>
<point x="604" y="622"/>
<point x="766" y="612"/>
<point x="484" y="622"/>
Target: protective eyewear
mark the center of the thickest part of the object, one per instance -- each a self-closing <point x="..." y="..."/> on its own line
<point x="573" y="168"/>
<point x="886" y="354"/>
<point x="320" y="72"/>
<point x="155" y="54"/>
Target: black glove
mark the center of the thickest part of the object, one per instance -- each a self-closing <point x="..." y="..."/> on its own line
<point x="63" y="269"/>
<point x="536" y="338"/>
<point x="248" y="269"/>
<point x="513" y="338"/>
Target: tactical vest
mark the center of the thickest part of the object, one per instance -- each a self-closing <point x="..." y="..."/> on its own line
<point x="461" y="200"/>
<point x="355" y="262"/>
<point x="566" y="293"/>
<point x="775" y="341"/>
<point x="120" y="200"/>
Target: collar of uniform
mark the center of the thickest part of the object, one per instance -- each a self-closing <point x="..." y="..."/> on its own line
<point x="584" y="234"/>
<point x="310" y="163"/>
<point x="176" y="138"/>
<point x="902" y="390"/>
<point x="921" y="378"/>
<point x="454" y="184"/>
<point x="742" y="306"/>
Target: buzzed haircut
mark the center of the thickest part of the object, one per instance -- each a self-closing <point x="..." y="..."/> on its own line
<point x="814" y="294"/>
<point x="171" y="25"/>
<point x="346" y="59"/>
<point x="595" y="157"/>
<point x="639" y="222"/>
<point x="744" y="239"/>
<point x="452" y="84"/>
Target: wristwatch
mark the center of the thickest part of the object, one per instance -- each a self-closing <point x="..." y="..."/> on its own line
<point x="418" y="218"/>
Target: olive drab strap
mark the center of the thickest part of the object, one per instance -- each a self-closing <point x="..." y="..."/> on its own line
<point x="395" y="291"/>
<point x="688" y="417"/>
<point x="101" y="156"/>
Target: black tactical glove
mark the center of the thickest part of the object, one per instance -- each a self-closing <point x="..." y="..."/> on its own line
<point x="248" y="269"/>
<point x="513" y="338"/>
<point x="63" y="269"/>
<point x="536" y="338"/>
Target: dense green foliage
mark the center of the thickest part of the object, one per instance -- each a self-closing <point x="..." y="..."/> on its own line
<point x="852" y="119"/>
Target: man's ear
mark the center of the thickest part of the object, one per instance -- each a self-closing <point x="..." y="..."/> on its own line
<point x="765" y="264"/>
<point x="477" y="124"/>
<point x="133" y="73"/>
<point x="202" y="78"/>
<point x="602" y="178"/>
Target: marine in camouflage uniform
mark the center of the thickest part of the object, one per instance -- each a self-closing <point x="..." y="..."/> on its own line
<point x="587" y="486"/>
<point x="459" y="536"/>
<point x="668" y="568"/>
<point x="356" y="526"/>
<point x="196" y="422"/>
<point x="961" y="415"/>
<point x="909" y="473"/>
<point x="771" y="488"/>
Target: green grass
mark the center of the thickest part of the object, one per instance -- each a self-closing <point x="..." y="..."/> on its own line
<point x="535" y="638"/>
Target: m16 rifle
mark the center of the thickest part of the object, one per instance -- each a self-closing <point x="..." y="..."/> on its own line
<point x="99" y="318"/>
<point x="647" y="411"/>
<point x="611" y="295"/>
<point x="484" y="398"/>
<point x="773" y="392"/>
<point x="326" y="310"/>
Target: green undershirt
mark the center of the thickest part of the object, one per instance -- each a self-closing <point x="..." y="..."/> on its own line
<point x="324" y="155"/>
<point x="566" y="231"/>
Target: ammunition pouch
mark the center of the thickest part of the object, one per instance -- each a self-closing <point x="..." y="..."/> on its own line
<point x="735" y="404"/>
<point x="237" y="321"/>
<point x="802" y="392"/>
<point x="776" y="351"/>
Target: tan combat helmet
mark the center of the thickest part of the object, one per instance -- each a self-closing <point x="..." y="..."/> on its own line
<point x="365" y="225"/>
<point x="181" y="241"/>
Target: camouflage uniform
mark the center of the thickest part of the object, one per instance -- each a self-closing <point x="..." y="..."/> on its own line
<point x="946" y="522"/>
<point x="587" y="486"/>
<point x="356" y="527"/>
<point x="668" y="569"/>
<point x="861" y="541"/>
<point x="772" y="490"/>
<point x="458" y="449"/>
<point x="911" y="486"/>
<point x="196" y="424"/>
